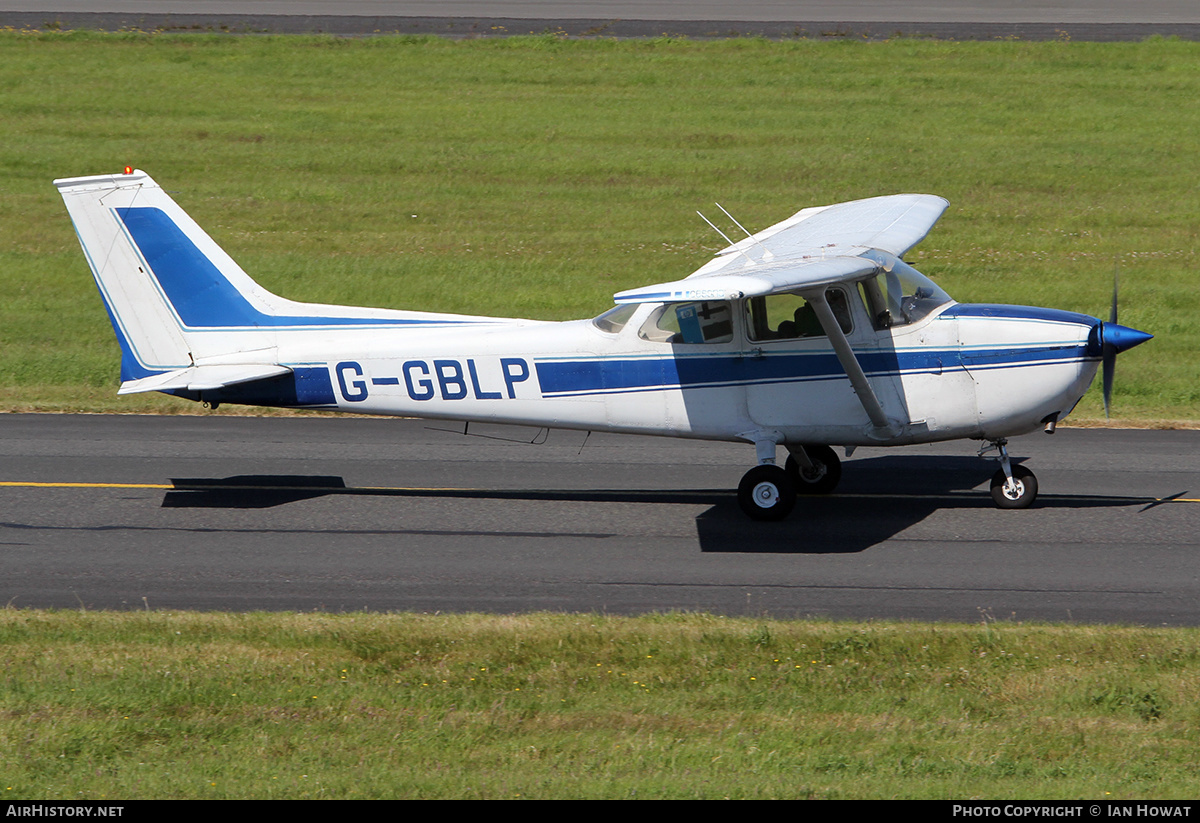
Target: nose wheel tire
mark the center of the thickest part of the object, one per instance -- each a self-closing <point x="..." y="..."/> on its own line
<point x="767" y="493"/>
<point x="1020" y="494"/>
<point x="823" y="477"/>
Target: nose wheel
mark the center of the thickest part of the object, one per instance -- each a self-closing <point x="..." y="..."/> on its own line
<point x="1013" y="487"/>
<point x="1016" y="493"/>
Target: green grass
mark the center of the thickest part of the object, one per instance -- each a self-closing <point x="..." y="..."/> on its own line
<point x="537" y="176"/>
<point x="181" y="705"/>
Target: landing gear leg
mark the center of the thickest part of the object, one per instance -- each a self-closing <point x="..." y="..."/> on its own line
<point x="1013" y="487"/>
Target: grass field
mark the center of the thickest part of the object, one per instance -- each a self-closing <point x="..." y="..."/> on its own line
<point x="100" y="706"/>
<point x="537" y="176"/>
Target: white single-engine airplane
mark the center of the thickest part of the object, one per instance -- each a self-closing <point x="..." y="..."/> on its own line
<point x="809" y="334"/>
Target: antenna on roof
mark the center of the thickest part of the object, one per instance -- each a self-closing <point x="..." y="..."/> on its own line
<point x="732" y="244"/>
<point x="766" y="252"/>
<point x="734" y="219"/>
<point x="714" y="226"/>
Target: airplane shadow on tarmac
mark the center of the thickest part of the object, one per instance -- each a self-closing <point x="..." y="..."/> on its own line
<point x="878" y="498"/>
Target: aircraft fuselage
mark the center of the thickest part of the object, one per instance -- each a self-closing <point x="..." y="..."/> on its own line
<point x="969" y="371"/>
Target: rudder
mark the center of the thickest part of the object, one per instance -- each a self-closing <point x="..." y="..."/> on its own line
<point x="160" y="275"/>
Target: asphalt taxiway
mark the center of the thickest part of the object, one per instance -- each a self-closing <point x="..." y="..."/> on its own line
<point x="336" y="514"/>
<point x="308" y="513"/>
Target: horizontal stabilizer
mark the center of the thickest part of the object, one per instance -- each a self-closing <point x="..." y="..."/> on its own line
<point x="202" y="378"/>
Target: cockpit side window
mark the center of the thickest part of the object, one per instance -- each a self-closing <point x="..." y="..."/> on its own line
<point x="704" y="322"/>
<point x="790" y="316"/>
<point x="613" y="320"/>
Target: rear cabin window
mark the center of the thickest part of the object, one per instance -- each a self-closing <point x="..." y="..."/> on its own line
<point x="613" y="320"/>
<point x="705" y="322"/>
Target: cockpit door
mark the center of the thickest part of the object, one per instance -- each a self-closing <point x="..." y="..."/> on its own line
<point x="798" y="376"/>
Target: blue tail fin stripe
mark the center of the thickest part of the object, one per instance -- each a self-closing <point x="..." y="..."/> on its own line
<point x="201" y="296"/>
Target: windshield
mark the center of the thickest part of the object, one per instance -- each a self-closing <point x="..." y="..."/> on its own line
<point x="901" y="296"/>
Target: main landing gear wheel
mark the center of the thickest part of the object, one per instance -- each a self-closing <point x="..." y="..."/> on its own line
<point x="767" y="493"/>
<point x="1020" y="494"/>
<point x="823" y="477"/>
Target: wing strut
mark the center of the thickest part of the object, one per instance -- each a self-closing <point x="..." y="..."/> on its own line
<point x="884" y="428"/>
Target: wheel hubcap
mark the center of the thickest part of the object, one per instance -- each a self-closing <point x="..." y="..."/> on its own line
<point x="1014" y="490"/>
<point x="766" y="495"/>
<point x="814" y="474"/>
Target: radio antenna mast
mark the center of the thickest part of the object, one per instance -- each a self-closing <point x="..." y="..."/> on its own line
<point x="766" y="252"/>
<point x="727" y="240"/>
<point x="714" y="227"/>
<point x="734" y="219"/>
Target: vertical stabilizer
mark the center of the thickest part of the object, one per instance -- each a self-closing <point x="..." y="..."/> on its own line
<point x="162" y="278"/>
<point x="150" y="335"/>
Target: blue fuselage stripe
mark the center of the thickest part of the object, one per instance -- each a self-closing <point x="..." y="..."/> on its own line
<point x="1006" y="312"/>
<point x="617" y="375"/>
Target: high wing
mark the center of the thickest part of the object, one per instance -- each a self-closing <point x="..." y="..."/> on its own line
<point x="813" y="248"/>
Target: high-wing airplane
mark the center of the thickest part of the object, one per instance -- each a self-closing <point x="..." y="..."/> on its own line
<point x="810" y="334"/>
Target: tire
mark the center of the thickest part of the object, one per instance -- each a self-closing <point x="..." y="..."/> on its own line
<point x="827" y="474"/>
<point x="767" y="493"/>
<point x="1020" y="498"/>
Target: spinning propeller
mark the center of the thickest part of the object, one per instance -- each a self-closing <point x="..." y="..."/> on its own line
<point x="1114" y="339"/>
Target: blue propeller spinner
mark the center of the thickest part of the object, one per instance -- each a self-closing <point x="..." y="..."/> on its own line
<point x="1111" y="340"/>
